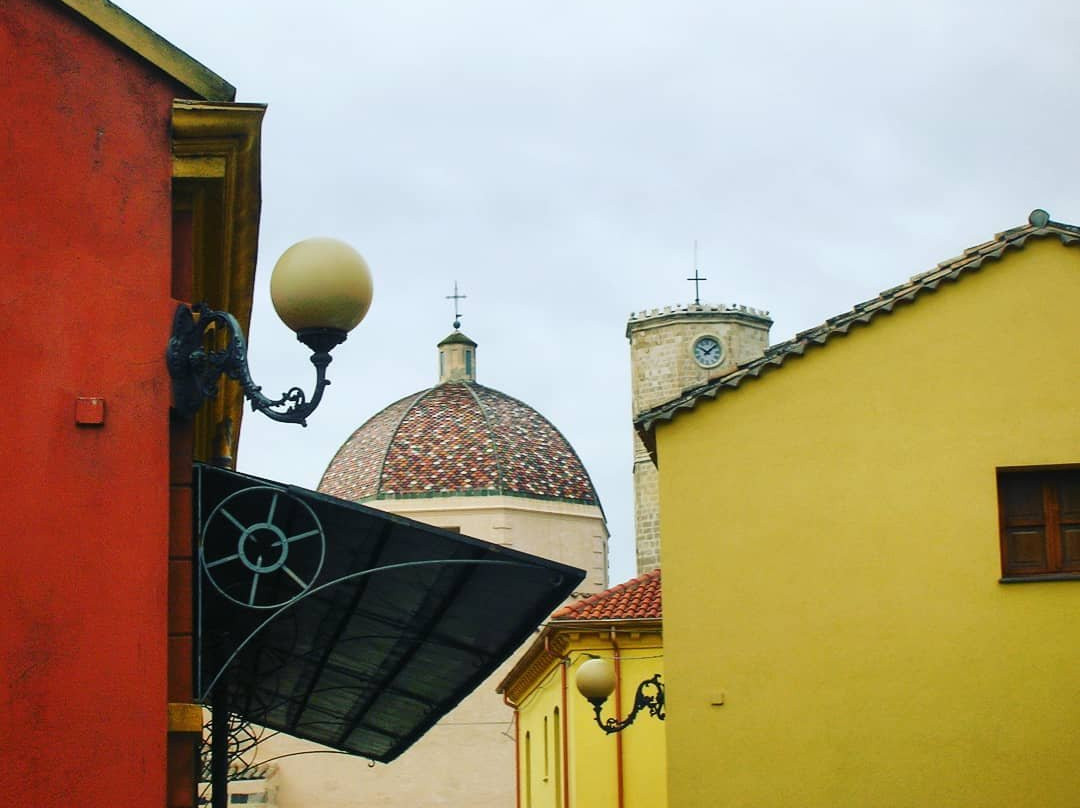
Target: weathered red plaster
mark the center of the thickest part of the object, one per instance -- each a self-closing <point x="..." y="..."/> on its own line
<point x="84" y="306"/>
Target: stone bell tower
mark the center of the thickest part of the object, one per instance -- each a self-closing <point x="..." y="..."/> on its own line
<point x="671" y="350"/>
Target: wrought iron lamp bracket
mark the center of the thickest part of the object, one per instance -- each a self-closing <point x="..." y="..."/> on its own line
<point x="196" y="369"/>
<point x="653" y="702"/>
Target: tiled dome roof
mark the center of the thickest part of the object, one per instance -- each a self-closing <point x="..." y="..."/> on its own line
<point x="458" y="438"/>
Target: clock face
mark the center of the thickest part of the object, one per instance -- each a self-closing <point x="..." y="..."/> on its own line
<point x="708" y="352"/>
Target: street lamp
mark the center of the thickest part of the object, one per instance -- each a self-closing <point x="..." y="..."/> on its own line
<point x="595" y="680"/>
<point x="321" y="288"/>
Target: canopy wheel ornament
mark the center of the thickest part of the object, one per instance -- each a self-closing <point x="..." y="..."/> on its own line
<point x="262" y="548"/>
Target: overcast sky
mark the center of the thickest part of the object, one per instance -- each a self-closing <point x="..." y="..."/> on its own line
<point x="559" y="159"/>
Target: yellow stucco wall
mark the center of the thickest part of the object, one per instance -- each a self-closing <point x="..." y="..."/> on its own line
<point x="831" y="562"/>
<point x="592" y="764"/>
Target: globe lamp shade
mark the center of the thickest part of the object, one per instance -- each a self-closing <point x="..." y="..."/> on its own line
<point x="321" y="283"/>
<point x="596" y="680"/>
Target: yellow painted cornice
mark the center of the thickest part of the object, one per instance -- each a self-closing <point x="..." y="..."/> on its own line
<point x="216" y="160"/>
<point x="650" y="625"/>
<point x="206" y="119"/>
<point x="220" y="144"/>
<point x="154" y="48"/>
<point x="553" y="644"/>
<point x="546" y="650"/>
<point x="186" y="718"/>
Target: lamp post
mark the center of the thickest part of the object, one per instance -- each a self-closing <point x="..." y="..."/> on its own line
<point x="595" y="680"/>
<point x="321" y="288"/>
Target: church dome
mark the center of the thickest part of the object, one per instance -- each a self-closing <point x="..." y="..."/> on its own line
<point x="458" y="438"/>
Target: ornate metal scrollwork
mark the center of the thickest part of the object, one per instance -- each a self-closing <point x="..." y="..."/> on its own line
<point x="196" y="368"/>
<point x="654" y="703"/>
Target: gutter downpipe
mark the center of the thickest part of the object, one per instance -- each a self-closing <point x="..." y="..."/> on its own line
<point x="566" y="741"/>
<point x="618" y="716"/>
<point x="565" y="726"/>
<point x="517" y="751"/>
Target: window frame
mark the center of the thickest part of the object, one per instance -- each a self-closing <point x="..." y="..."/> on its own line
<point x="1055" y="569"/>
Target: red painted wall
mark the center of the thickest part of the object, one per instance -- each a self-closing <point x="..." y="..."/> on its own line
<point x="85" y="310"/>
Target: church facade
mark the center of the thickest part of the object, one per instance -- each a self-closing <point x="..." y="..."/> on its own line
<point x="471" y="459"/>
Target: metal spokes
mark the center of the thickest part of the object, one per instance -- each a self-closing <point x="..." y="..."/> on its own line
<point x="261" y="547"/>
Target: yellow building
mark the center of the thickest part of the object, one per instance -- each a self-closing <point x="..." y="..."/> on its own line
<point x="872" y="548"/>
<point x="564" y="758"/>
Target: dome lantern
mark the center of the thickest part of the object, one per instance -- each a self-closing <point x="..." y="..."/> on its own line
<point x="457" y="359"/>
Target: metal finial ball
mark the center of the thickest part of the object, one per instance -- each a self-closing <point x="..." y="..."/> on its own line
<point x="1038" y="218"/>
<point x="457" y="323"/>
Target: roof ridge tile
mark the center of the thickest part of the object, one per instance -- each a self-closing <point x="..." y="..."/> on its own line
<point x="862" y="313"/>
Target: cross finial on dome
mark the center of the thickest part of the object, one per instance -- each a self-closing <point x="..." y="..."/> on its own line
<point x="456" y="297"/>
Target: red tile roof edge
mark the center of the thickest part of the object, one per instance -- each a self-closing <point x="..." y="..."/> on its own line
<point x="638" y="598"/>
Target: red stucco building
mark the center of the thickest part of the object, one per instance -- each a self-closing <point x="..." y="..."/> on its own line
<point x="117" y="199"/>
<point x="130" y="188"/>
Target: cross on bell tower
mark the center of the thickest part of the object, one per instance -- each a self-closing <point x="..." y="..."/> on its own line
<point x="697" y="279"/>
<point x="672" y="349"/>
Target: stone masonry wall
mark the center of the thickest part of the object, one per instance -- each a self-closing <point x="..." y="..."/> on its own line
<point x="646" y="509"/>
<point x="662" y="366"/>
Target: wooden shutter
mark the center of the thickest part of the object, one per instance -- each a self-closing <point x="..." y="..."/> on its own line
<point x="1040" y="522"/>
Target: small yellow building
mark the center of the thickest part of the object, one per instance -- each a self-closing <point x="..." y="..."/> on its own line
<point x="872" y="549"/>
<point x="564" y="758"/>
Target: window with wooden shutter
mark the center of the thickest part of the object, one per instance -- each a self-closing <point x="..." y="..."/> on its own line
<point x="1040" y="523"/>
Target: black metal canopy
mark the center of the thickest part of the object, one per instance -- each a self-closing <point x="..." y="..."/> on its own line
<point x="348" y="626"/>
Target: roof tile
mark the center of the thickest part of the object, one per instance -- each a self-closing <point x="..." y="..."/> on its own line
<point x="637" y="599"/>
<point x="972" y="259"/>
<point x="458" y="438"/>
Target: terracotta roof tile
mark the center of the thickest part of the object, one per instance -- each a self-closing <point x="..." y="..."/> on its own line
<point x="637" y="599"/>
<point x="354" y="471"/>
<point x="458" y="438"/>
<point x="775" y="356"/>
